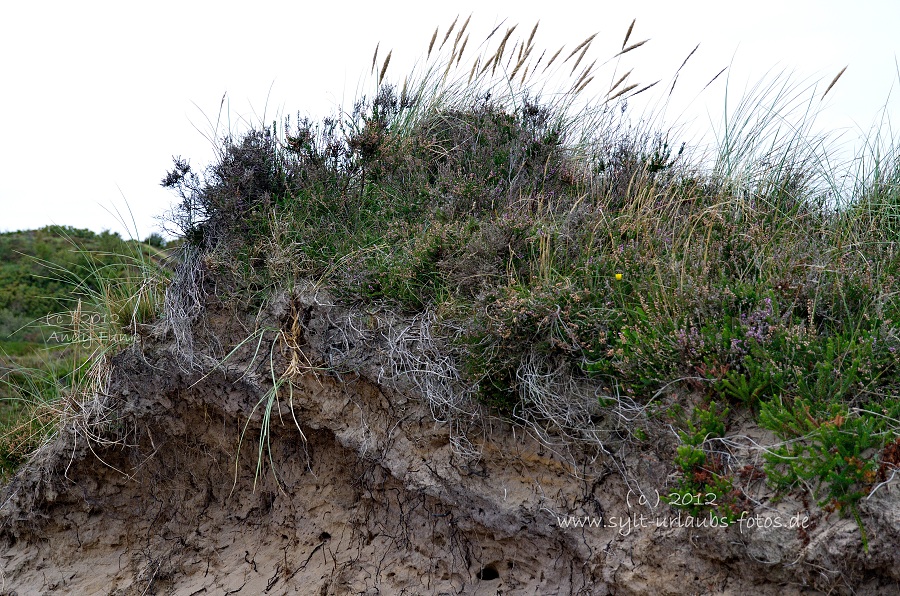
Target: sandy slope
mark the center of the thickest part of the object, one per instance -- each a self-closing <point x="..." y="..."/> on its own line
<point x="378" y="499"/>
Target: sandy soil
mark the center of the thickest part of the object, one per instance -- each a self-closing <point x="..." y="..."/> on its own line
<point x="362" y="491"/>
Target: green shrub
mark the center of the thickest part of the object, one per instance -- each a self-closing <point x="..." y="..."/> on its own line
<point x="705" y="486"/>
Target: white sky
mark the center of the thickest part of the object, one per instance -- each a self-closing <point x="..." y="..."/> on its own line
<point x="98" y="96"/>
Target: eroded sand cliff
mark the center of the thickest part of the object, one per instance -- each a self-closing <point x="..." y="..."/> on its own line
<point x="365" y="489"/>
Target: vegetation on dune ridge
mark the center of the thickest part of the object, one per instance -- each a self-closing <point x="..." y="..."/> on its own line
<point x="579" y="265"/>
<point x="586" y="274"/>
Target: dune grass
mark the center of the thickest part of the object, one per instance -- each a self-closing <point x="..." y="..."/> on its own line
<point x="102" y="293"/>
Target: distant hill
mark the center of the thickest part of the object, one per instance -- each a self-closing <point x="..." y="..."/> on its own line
<point x="40" y="270"/>
<point x="50" y="280"/>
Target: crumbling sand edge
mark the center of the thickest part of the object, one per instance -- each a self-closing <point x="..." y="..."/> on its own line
<point x="377" y="500"/>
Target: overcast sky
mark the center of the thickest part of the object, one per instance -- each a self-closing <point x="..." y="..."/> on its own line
<point x="98" y="96"/>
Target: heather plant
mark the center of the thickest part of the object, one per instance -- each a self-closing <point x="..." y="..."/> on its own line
<point x="706" y="486"/>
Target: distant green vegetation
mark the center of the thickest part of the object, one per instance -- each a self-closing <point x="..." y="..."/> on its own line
<point x="64" y="300"/>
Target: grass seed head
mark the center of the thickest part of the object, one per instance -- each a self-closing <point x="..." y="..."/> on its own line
<point x="554" y="57"/>
<point x="462" y="49"/>
<point x="531" y="37"/>
<point x="500" y="49"/>
<point x="384" y="68"/>
<point x="833" y="81"/>
<point x="522" y="60"/>
<point x="628" y="33"/>
<point x="579" y="46"/>
<point x="580" y="57"/>
<point x="622" y="92"/>
<point x="541" y="57"/>
<point x="620" y="81"/>
<point x="585" y="73"/>
<point x="449" y="31"/>
<point x="583" y="85"/>
<point x="462" y="29"/>
<point x="633" y="46"/>
<point x="642" y="89"/>
<point x="431" y="45"/>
